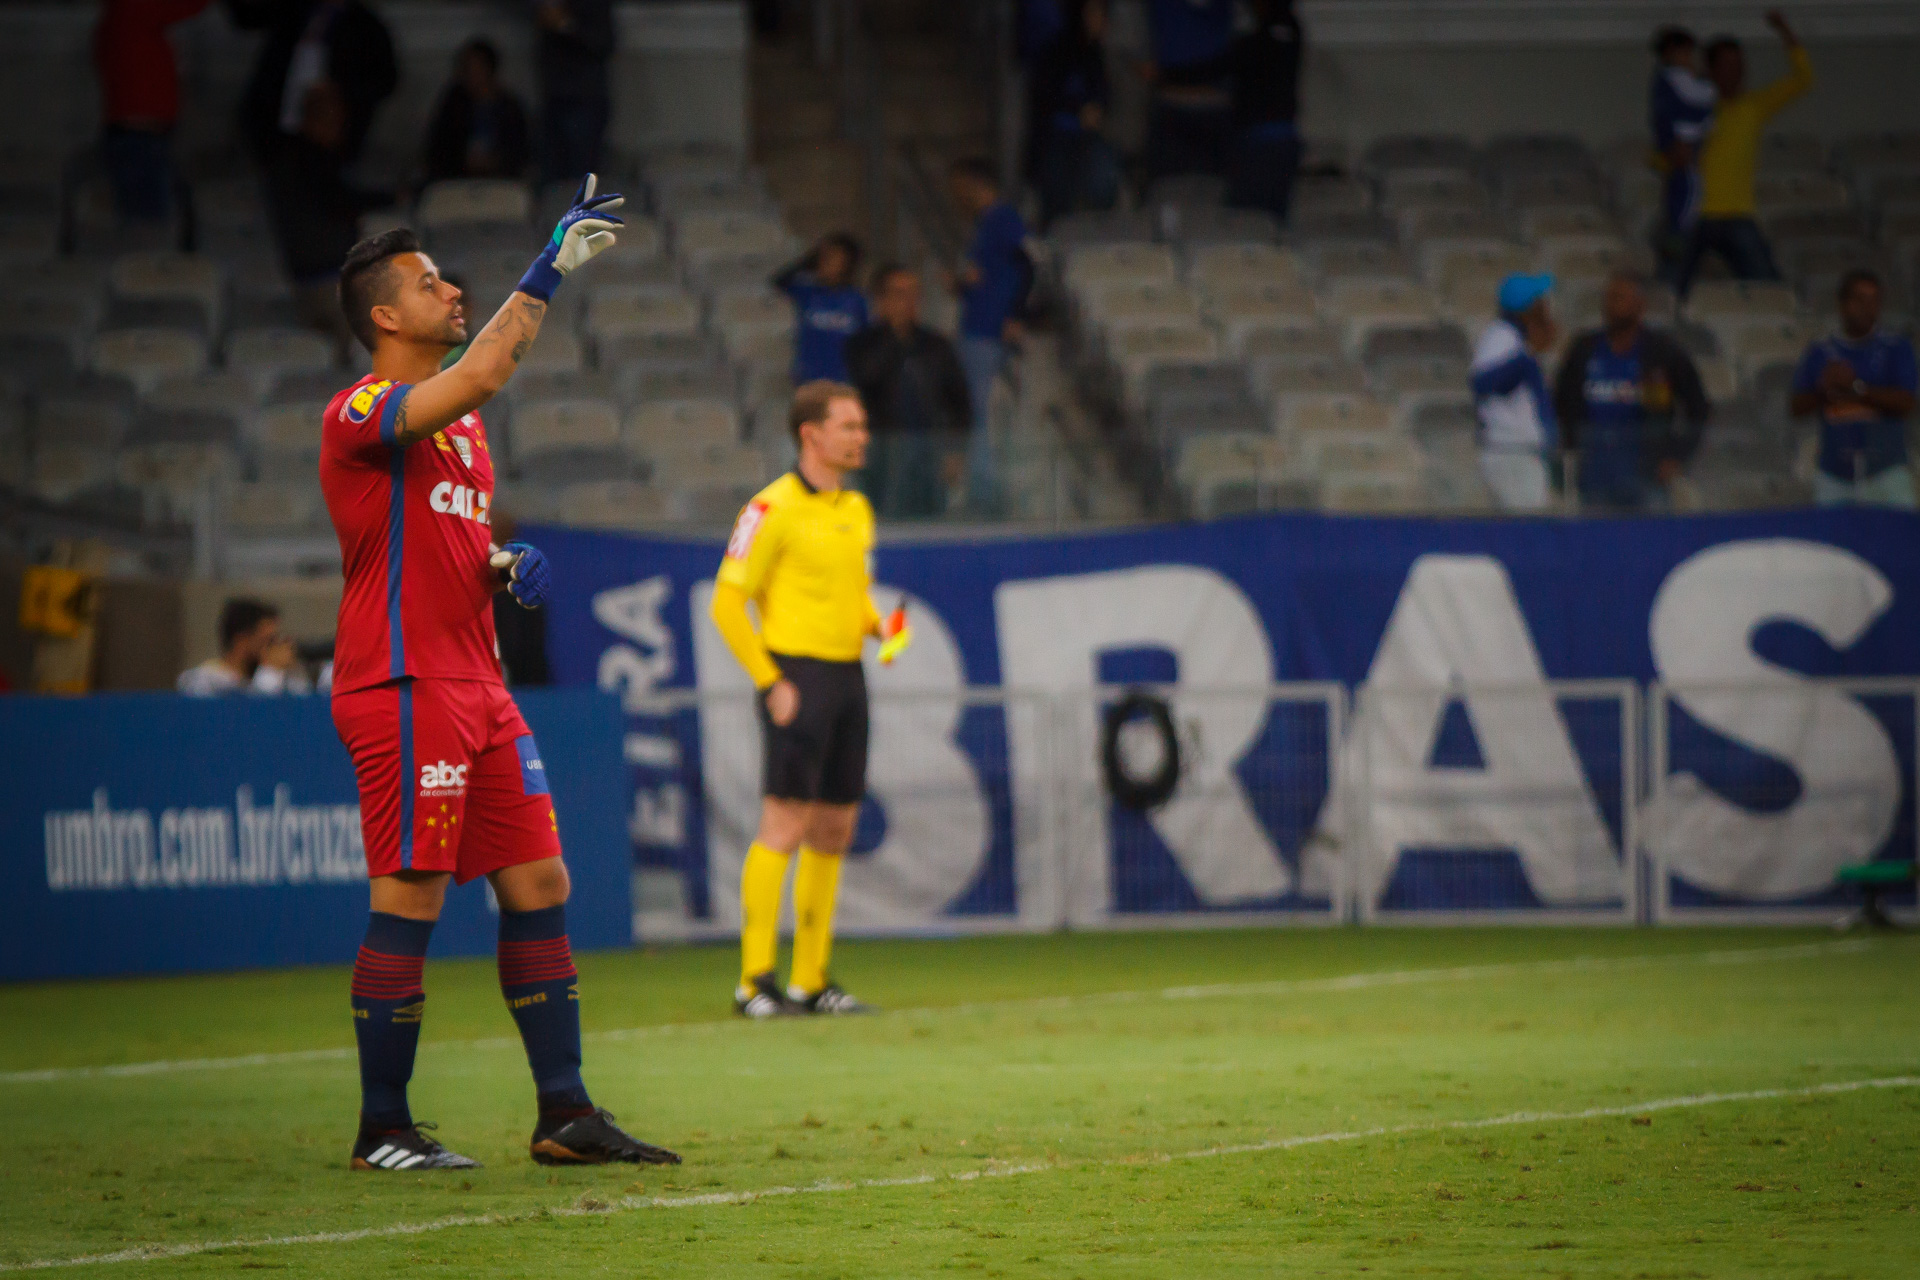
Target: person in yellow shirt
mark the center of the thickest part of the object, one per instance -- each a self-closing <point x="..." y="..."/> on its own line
<point x="800" y="553"/>
<point x="1730" y="154"/>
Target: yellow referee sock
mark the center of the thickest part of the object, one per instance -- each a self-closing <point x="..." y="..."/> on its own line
<point x="760" y="883"/>
<point x="816" y="883"/>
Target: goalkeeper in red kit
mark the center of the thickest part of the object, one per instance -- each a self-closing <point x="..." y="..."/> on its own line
<point x="451" y="782"/>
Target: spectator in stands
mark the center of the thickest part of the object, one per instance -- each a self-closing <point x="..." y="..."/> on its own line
<point x="479" y="128"/>
<point x="1075" y="167"/>
<point x="1266" y="105"/>
<point x="828" y="307"/>
<point x="993" y="284"/>
<point x="140" y="101"/>
<point x="1729" y="155"/>
<point x="1189" y="121"/>
<point x="1510" y="394"/>
<point x="915" y="395"/>
<point x="316" y="211"/>
<point x="256" y="656"/>
<point x="1860" y="382"/>
<point x="307" y="41"/>
<point x="575" y="51"/>
<point x="1629" y="403"/>
<point x="1681" y="108"/>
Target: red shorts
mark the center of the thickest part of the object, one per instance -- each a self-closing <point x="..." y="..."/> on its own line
<point x="450" y="778"/>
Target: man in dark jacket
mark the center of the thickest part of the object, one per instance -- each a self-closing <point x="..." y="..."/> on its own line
<point x="916" y="400"/>
<point x="307" y="41"/>
<point x="479" y="128"/>
<point x="1630" y="404"/>
<point x="315" y="211"/>
<point x="576" y="46"/>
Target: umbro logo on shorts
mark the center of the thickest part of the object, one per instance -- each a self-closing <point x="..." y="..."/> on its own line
<point x="441" y="779"/>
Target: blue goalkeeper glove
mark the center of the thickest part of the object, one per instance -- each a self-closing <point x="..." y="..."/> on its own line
<point x="584" y="230"/>
<point x="524" y="569"/>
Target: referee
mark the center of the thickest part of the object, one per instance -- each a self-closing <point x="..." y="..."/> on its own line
<point x="799" y="552"/>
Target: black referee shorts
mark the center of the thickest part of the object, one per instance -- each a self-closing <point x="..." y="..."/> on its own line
<point x="822" y="755"/>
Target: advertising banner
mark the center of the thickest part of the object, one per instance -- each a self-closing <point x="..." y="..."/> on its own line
<point x="151" y="833"/>
<point x="1472" y="779"/>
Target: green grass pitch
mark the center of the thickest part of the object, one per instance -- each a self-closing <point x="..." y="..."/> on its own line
<point x="1383" y="1102"/>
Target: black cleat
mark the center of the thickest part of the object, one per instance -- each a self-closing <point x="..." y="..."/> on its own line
<point x="763" y="999"/>
<point x="593" y="1139"/>
<point x="829" y="999"/>
<point x="406" y="1149"/>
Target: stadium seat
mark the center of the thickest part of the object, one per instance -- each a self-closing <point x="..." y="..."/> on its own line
<point x="550" y="426"/>
<point x="1383" y="492"/>
<point x="1713" y="299"/>
<point x="701" y="239"/>
<point x="1282" y="380"/>
<point x="1365" y="450"/>
<point x="1798" y="224"/>
<point x="1308" y="415"/>
<point x="1790" y="152"/>
<point x="1333" y="227"/>
<point x="1591" y="258"/>
<point x="455" y="202"/>
<point x="556" y="350"/>
<point x="1528" y="189"/>
<point x="264" y="356"/>
<point x="566" y="465"/>
<point x="1283" y="342"/>
<point x="1419" y="151"/>
<point x="1552" y="221"/>
<point x="1443" y="186"/>
<point x="612" y="504"/>
<point x="1227" y="473"/>
<point x="93" y="411"/>
<point x="693" y="379"/>
<point x="671" y="425"/>
<point x="1363" y="305"/>
<point x="1751" y="343"/>
<point x="1237" y="311"/>
<point x="718" y="479"/>
<point x="1139" y="302"/>
<point x="267" y="507"/>
<point x="1214" y="267"/>
<point x="226" y="396"/>
<point x="1358" y="259"/>
<point x="61" y="471"/>
<point x="1090" y="228"/>
<point x="1103" y="264"/>
<point x="1192" y="227"/>
<point x="1717" y="379"/>
<point x="286" y="441"/>
<point x="181" y="474"/>
<point x="1535" y="153"/>
<point x="1412" y="342"/>
<point x="1197" y="190"/>
<point x="144" y="356"/>
<point x="615" y="312"/>
<point x="1316" y="195"/>
<point x="1187" y="397"/>
<point x="1778" y="193"/>
<point x="1136" y="350"/>
<point x="531" y="386"/>
<point x="159" y="277"/>
<point x="1409" y="383"/>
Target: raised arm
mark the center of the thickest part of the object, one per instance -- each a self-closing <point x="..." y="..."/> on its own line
<point x="491" y="358"/>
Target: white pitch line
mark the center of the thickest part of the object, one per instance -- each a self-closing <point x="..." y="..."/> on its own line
<point x="1284" y="986"/>
<point x="628" y="1204"/>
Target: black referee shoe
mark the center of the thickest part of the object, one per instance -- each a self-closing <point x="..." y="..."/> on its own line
<point x="592" y="1139"/>
<point x="404" y="1149"/>
<point x="763" y="999"/>
<point x="830" y="999"/>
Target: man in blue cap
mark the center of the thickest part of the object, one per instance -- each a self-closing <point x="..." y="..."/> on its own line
<point x="1517" y="431"/>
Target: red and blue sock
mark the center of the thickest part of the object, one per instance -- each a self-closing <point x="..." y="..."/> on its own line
<point x="387" y="1005"/>
<point x="541" y="987"/>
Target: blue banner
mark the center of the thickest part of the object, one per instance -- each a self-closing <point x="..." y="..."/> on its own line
<point x="148" y="833"/>
<point x="1758" y="810"/>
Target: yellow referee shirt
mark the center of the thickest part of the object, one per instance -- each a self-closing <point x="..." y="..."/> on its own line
<point x="802" y="557"/>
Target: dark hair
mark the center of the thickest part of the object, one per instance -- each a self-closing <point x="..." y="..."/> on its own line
<point x="239" y="616"/>
<point x="1856" y="277"/>
<point x="811" y="400"/>
<point x="978" y="168"/>
<point x="1719" y="45"/>
<point x="486" y="49"/>
<point x="1669" y="38"/>
<point x="887" y="271"/>
<point x="366" y="281"/>
<point x="846" y="243"/>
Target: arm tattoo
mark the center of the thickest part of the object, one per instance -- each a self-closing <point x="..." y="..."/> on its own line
<point x="405" y="434"/>
<point x="498" y="351"/>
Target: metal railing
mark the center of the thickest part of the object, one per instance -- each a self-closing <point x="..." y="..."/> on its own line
<point x="1590" y="801"/>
